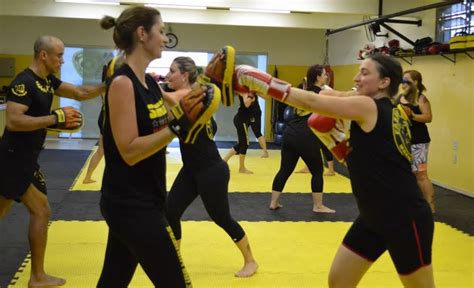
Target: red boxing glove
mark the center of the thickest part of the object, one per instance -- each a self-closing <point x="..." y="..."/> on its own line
<point x="332" y="133"/>
<point x="249" y="79"/>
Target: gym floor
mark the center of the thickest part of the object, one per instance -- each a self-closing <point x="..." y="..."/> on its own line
<point x="293" y="245"/>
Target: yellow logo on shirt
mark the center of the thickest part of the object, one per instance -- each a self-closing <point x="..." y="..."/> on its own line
<point x="44" y="88"/>
<point x="209" y="129"/>
<point x="157" y="110"/>
<point x="19" y="90"/>
<point x="401" y="132"/>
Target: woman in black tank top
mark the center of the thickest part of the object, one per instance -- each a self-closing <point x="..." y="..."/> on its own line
<point x="135" y="135"/>
<point x="394" y="216"/>
<point x="418" y="108"/>
<point x="203" y="174"/>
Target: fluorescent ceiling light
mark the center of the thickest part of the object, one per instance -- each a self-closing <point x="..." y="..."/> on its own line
<point x="259" y="10"/>
<point x="177" y="6"/>
<point x="101" y="2"/>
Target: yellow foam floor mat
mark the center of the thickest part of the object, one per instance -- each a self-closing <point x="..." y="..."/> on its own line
<point x="264" y="170"/>
<point x="290" y="254"/>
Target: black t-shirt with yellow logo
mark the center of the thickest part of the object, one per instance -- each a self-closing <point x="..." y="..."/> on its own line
<point x="143" y="184"/>
<point x="36" y="93"/>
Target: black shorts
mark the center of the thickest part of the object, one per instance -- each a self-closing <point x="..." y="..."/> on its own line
<point x="409" y="245"/>
<point x="16" y="175"/>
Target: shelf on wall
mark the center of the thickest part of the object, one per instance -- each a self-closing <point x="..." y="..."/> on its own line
<point x="451" y="56"/>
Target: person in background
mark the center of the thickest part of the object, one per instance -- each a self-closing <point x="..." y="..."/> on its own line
<point x="241" y="123"/>
<point x="418" y="108"/>
<point x="318" y="85"/>
<point x="297" y="137"/>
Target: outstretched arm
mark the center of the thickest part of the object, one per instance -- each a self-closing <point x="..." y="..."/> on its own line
<point x="80" y="93"/>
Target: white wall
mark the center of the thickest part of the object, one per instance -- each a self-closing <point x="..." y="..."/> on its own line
<point x="284" y="46"/>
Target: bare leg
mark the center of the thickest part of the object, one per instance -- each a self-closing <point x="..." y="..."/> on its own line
<point x="95" y="159"/>
<point x="426" y="187"/>
<point x="275" y="202"/>
<point x="318" y="205"/>
<point x="229" y="155"/>
<point x="263" y="143"/>
<point x="330" y="171"/>
<point x="347" y="269"/>
<point x="423" y="277"/>
<point x="305" y="169"/>
<point x="38" y="208"/>
<point x="250" y="265"/>
<point x="242" y="168"/>
<point x="5" y="205"/>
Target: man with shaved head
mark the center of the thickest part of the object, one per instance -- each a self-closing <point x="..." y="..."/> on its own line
<point x="29" y="115"/>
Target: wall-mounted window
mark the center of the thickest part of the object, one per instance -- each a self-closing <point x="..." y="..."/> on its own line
<point x="453" y="19"/>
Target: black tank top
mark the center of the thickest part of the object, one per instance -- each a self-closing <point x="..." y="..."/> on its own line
<point x="379" y="166"/>
<point x="298" y="125"/>
<point x="419" y="130"/>
<point x="203" y="153"/>
<point x="143" y="184"/>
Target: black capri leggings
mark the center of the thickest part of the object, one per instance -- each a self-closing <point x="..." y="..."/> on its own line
<point x="256" y="124"/>
<point x="140" y="235"/>
<point x="241" y="123"/>
<point x="212" y="185"/>
<point x="292" y="149"/>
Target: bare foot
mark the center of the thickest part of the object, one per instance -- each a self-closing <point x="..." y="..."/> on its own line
<point x="245" y="171"/>
<point x="303" y="170"/>
<point x="88" y="181"/>
<point x="46" y="281"/>
<point x="329" y="173"/>
<point x="323" y="209"/>
<point x="248" y="270"/>
<point x="265" y="155"/>
<point x="275" y="206"/>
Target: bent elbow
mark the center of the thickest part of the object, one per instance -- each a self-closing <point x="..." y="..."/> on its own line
<point x="130" y="161"/>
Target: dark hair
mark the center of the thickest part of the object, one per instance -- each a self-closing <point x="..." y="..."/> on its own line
<point x="387" y="66"/>
<point x="186" y="64"/>
<point x="126" y="24"/>
<point x="415" y="75"/>
<point x="312" y="74"/>
<point x="44" y="43"/>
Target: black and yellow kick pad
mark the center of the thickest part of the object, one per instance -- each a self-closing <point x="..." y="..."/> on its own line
<point x="264" y="170"/>
<point x="290" y="254"/>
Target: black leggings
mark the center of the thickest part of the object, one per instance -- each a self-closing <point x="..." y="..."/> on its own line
<point x="256" y="124"/>
<point x="291" y="150"/>
<point x="241" y="123"/>
<point x="212" y="185"/>
<point x="140" y="235"/>
<point x="326" y="152"/>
